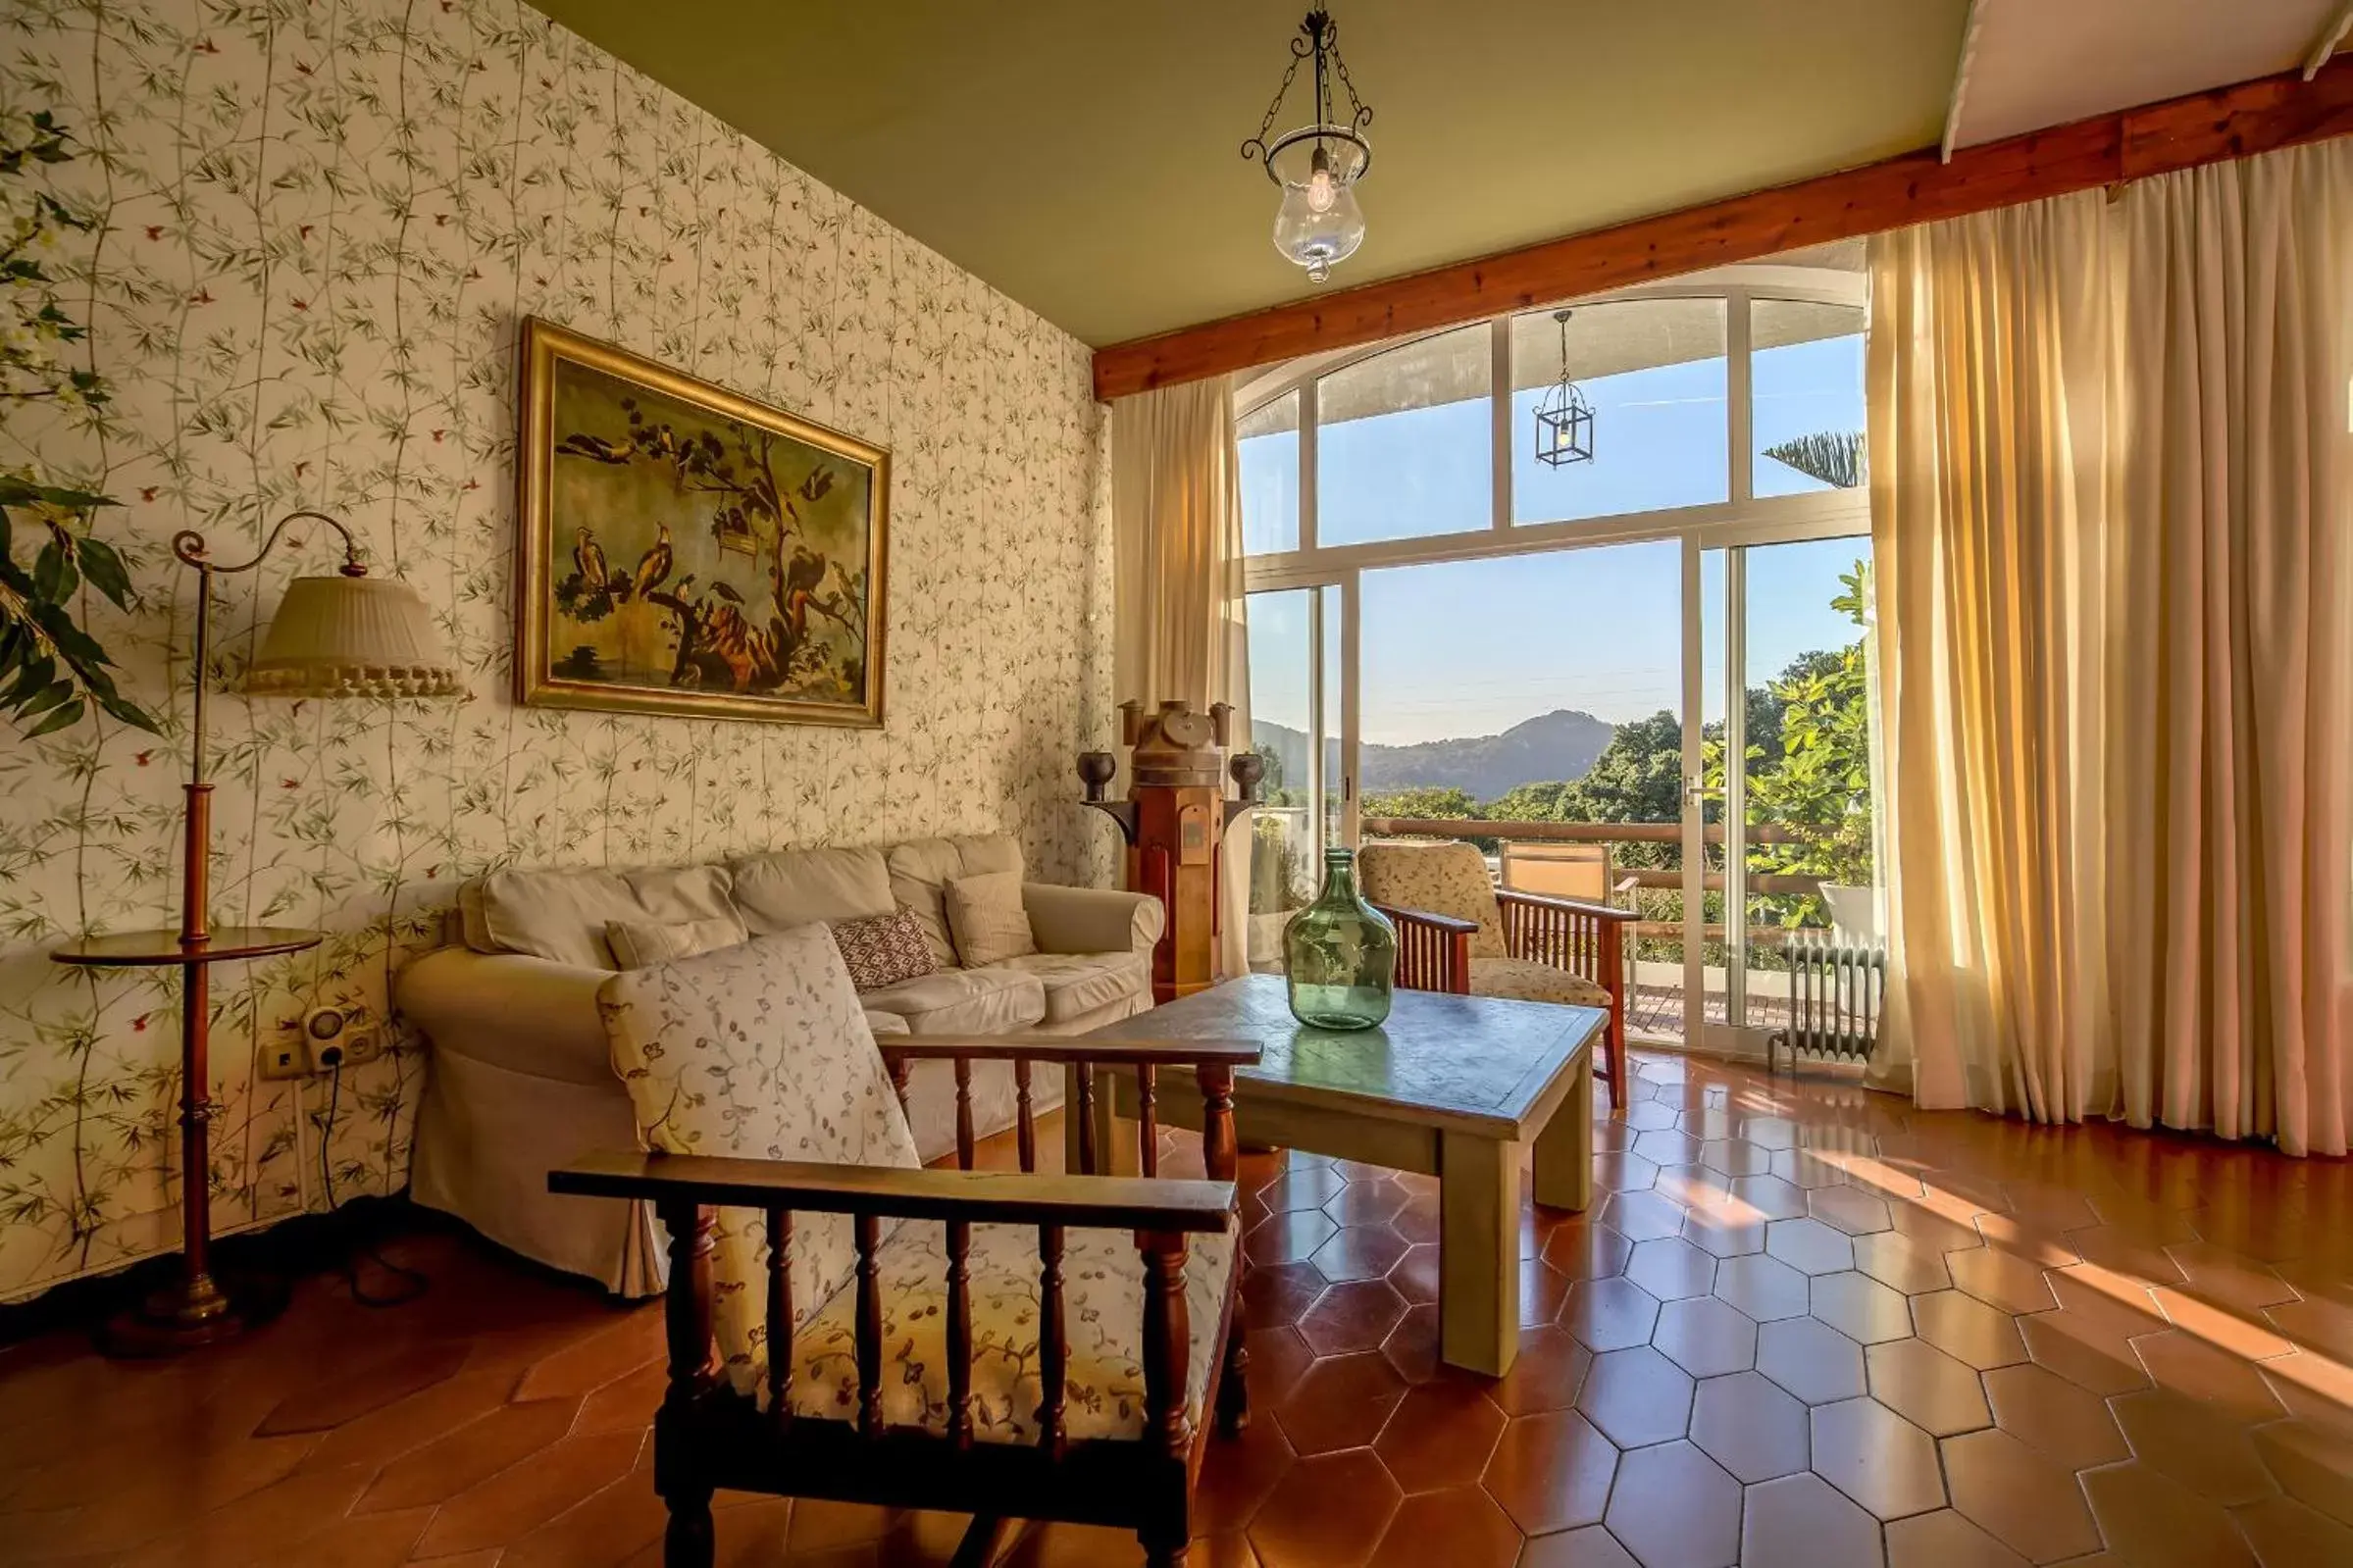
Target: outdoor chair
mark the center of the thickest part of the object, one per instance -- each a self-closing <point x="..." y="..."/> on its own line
<point x="1457" y="933"/>
<point x="845" y="1324"/>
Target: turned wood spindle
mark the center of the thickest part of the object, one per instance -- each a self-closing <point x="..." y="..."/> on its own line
<point x="964" y="1138"/>
<point x="1025" y="1119"/>
<point x="779" y="1315"/>
<point x="1052" y="1352"/>
<point x="959" y="1333"/>
<point x="1147" y="1119"/>
<point x="870" y="1326"/>
<point x="1219" y="1151"/>
<point x="687" y="1308"/>
<point x="1165" y="1330"/>
<point x="1087" y="1162"/>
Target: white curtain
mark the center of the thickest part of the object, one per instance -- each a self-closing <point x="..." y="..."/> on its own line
<point x="2110" y="463"/>
<point x="1179" y="628"/>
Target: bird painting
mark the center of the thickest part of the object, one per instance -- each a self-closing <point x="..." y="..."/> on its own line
<point x="589" y="557"/>
<point x="654" y="567"/>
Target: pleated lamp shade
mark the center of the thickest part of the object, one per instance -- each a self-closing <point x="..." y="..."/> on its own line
<point x="353" y="637"/>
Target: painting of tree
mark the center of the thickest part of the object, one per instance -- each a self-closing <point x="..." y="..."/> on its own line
<point x="692" y="551"/>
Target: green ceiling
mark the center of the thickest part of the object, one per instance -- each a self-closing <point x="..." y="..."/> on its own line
<point x="1081" y="155"/>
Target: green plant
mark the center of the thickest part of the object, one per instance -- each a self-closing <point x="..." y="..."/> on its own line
<point x="1834" y="457"/>
<point x="51" y="669"/>
<point x="1822" y="778"/>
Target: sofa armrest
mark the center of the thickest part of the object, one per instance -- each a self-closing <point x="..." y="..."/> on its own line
<point x="527" y="1015"/>
<point x="1092" y="920"/>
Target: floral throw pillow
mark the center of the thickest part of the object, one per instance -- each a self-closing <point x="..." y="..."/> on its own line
<point x="884" y="949"/>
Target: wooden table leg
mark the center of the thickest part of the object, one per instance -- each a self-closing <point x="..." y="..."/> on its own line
<point x="1565" y="1148"/>
<point x="1478" y="1253"/>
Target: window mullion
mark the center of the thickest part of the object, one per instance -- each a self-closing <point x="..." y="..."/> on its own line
<point x="1500" y="408"/>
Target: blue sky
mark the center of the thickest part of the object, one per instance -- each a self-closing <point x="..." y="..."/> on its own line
<point x="1472" y="647"/>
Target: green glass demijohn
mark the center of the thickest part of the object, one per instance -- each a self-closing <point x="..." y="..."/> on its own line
<point x="1339" y="953"/>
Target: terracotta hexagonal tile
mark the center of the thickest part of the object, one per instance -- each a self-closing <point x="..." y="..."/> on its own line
<point x="1306" y="1188"/>
<point x="1810" y="1359"/>
<point x="1552" y="1471"/>
<point x="1637" y="1397"/>
<point x="1623" y="1172"/>
<point x="2287" y="1535"/>
<point x="2312" y="1464"/>
<point x="1768" y="1197"/>
<point x="471" y="1454"/>
<point x="1724" y="1230"/>
<point x="1358" y="1253"/>
<point x="1810" y="1247"/>
<point x="1968" y="1329"/>
<point x="1288" y="1237"/>
<point x="2316" y="1322"/>
<point x="1280" y="1294"/>
<point x="1901" y="1263"/>
<point x="1651" y="1116"/>
<point x="2154" y="1522"/>
<point x="1331" y="1509"/>
<point x="1751" y="1426"/>
<point x="1706" y="1338"/>
<point x="2019" y="1496"/>
<point x="1803" y="1167"/>
<point x="1674" y="1508"/>
<point x="1418" y="1220"/>
<point x="1592" y="1547"/>
<point x="370" y="1385"/>
<point x="1802" y="1521"/>
<point x="1641" y="1216"/>
<point x="1671" y="1268"/>
<point x="1237" y="1472"/>
<point x="1711" y="1121"/>
<point x="1926" y="1388"/>
<point x="1587" y="1250"/>
<point x="1354" y="1315"/>
<point x="528" y="1495"/>
<point x="1861" y="1307"/>
<point x="1945" y="1540"/>
<point x="1549" y="1371"/>
<point x="1762" y="1287"/>
<point x="1543" y="1292"/>
<point x="1667" y="1147"/>
<point x="1441" y="1435"/>
<point x="2045" y="1411"/>
<point x="2001" y="1280"/>
<point x="2184" y="1438"/>
<point x="1877" y="1457"/>
<point x="1365" y="1203"/>
<point x="1416" y="1275"/>
<point x="1412" y="1346"/>
<point x="1340" y="1402"/>
<point x="1694" y="1185"/>
<point x="1278" y="1359"/>
<point x="1849" y="1209"/>
<point x="1736" y="1157"/>
<point x="1609" y="1314"/>
<point x="1459" y="1526"/>
<point x="2074" y="1347"/>
<point x="2195" y="1368"/>
<point x="2122" y="1251"/>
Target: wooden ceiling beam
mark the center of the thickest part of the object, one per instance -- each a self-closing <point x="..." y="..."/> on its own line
<point x="2254" y="117"/>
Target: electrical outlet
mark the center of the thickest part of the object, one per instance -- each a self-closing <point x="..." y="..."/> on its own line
<point x="287" y="1058"/>
<point x="361" y="1044"/>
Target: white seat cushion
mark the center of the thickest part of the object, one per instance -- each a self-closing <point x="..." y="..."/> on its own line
<point x="790" y="887"/>
<point x="561" y="915"/>
<point x="1077" y="983"/>
<point x="922" y="868"/>
<point x="963" y="1001"/>
<point x="886" y="1023"/>
<point x="1523" y="980"/>
<point x="1102" y="1304"/>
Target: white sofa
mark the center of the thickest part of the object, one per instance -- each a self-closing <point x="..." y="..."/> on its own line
<point x="520" y="1080"/>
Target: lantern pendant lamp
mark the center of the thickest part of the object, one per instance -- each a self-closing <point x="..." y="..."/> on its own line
<point x="1317" y="165"/>
<point x="1563" y="420"/>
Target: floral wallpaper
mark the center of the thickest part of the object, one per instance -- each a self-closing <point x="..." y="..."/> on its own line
<point x="317" y="225"/>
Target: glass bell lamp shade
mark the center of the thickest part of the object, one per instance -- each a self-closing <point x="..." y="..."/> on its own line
<point x="1319" y="223"/>
<point x="353" y="637"/>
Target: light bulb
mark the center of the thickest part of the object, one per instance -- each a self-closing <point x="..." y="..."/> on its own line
<point x="1315" y="238"/>
<point x="1321" y="192"/>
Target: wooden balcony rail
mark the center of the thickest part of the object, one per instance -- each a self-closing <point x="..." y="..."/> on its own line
<point x="1577" y="832"/>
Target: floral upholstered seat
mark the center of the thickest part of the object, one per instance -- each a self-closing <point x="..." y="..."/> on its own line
<point x="762" y="1051"/>
<point x="1451" y="879"/>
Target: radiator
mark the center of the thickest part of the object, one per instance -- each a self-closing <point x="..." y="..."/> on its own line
<point x="1836" y="996"/>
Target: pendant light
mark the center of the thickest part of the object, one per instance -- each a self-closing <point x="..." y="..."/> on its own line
<point x="1316" y="166"/>
<point x="1564" y="420"/>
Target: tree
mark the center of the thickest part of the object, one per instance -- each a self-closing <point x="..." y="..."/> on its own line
<point x="1822" y="781"/>
<point x="1834" y="457"/>
<point x="1422" y="801"/>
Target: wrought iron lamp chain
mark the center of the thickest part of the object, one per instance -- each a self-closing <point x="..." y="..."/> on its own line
<point x="1255" y="147"/>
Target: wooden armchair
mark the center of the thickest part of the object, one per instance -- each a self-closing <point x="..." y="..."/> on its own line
<point x="1457" y="933"/>
<point x="851" y="1325"/>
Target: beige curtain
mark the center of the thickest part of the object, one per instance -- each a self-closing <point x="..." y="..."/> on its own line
<point x="1179" y="628"/>
<point x="2110" y="468"/>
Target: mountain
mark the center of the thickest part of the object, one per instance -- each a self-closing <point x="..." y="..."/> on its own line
<point x="1550" y="746"/>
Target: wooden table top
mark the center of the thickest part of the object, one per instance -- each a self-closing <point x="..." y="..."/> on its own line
<point x="1472" y="1063"/>
<point x="152" y="949"/>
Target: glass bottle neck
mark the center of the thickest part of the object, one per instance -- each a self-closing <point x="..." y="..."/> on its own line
<point x="1340" y="874"/>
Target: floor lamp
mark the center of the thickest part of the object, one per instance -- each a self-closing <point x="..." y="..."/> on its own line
<point x="347" y="635"/>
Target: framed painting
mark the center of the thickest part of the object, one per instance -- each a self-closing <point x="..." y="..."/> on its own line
<point x="685" y="550"/>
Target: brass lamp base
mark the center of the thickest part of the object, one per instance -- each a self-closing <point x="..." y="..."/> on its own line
<point x="193" y="1310"/>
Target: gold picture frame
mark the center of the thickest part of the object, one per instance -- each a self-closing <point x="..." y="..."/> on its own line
<point x="681" y="549"/>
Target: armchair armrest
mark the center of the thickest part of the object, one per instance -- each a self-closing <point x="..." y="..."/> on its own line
<point x="1433" y="952"/>
<point x="980" y="1198"/>
<point x="1571" y="905"/>
<point x="1092" y="920"/>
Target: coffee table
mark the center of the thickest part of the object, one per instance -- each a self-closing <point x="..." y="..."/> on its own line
<point x="1450" y="1086"/>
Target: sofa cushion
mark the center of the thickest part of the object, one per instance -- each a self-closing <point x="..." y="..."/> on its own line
<point x="883" y="949"/>
<point x="887" y="1023"/>
<point x="1102" y="1298"/>
<point x="963" y="1001"/>
<point x="1526" y="980"/>
<point x="561" y="915"/>
<point x="758" y="1051"/>
<point x="1077" y="983"/>
<point x="922" y="868"/>
<point x="986" y="917"/>
<point x="790" y="887"/>
<point x="638" y="944"/>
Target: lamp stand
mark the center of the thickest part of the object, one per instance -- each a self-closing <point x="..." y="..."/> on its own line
<point x="198" y="1306"/>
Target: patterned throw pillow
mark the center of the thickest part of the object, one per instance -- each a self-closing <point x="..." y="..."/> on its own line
<point x="639" y="944"/>
<point x="884" y="949"/>
<point x="988" y="919"/>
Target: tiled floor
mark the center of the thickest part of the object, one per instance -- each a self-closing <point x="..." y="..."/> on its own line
<point x="1801" y="1325"/>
